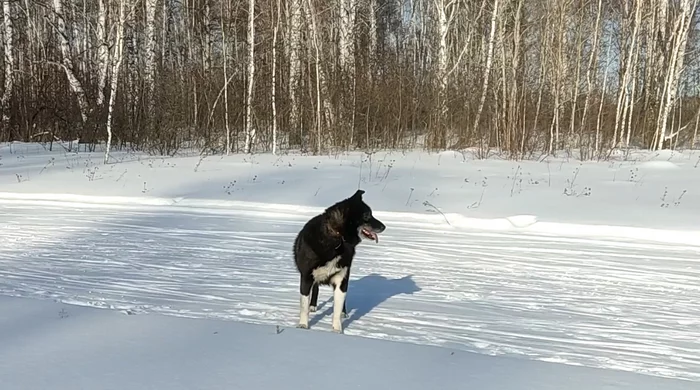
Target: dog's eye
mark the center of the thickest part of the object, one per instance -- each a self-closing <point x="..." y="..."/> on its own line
<point x="367" y="216"/>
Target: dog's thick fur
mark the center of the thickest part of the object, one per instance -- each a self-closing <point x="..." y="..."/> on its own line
<point x="324" y="250"/>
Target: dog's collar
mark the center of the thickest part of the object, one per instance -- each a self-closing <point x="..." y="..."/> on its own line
<point x="342" y="241"/>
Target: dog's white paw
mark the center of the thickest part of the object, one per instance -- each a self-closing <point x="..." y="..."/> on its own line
<point x="338" y="330"/>
<point x="312" y="309"/>
<point x="303" y="326"/>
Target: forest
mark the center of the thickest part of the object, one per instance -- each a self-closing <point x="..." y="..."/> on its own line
<point x="515" y="77"/>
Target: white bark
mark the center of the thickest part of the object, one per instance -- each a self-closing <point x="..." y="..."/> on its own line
<point x="224" y="45"/>
<point x="591" y="62"/>
<point x="67" y="62"/>
<point x="442" y="27"/>
<point x="294" y="47"/>
<point x="150" y="68"/>
<point x="679" y="40"/>
<point x="487" y="70"/>
<point x="208" y="42"/>
<point x="9" y="65"/>
<point x="322" y="103"/>
<point x="312" y="17"/>
<point x="274" y="77"/>
<point x="250" y="75"/>
<point x="164" y="32"/>
<point x="602" y="100"/>
<point x="117" y="58"/>
<point x="346" y="39"/>
<point x="102" y="51"/>
<point x="695" y="134"/>
<point x="623" y="95"/>
<point x="579" y="59"/>
<point x="372" y="36"/>
<point x="631" y="99"/>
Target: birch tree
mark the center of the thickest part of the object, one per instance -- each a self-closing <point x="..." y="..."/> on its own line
<point x="314" y="34"/>
<point x="677" y="43"/>
<point x="372" y="48"/>
<point x="487" y="69"/>
<point x="592" y="61"/>
<point x="117" y="57"/>
<point x="250" y="75"/>
<point x="276" y="10"/>
<point x="511" y="74"/>
<point x="346" y="36"/>
<point x="322" y="103"/>
<point x="150" y="67"/>
<point x="9" y="65"/>
<point x="624" y="99"/>
<point x="224" y="46"/>
<point x="102" y="51"/>
<point x="67" y="62"/>
<point x="294" y="27"/>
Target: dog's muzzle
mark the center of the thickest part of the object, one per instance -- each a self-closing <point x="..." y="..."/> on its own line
<point x="372" y="229"/>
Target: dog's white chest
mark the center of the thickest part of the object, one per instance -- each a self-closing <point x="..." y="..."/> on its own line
<point x="329" y="271"/>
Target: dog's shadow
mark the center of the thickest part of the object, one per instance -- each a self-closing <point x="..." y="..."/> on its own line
<point x="365" y="294"/>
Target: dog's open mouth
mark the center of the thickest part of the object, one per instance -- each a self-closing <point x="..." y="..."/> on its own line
<point x="370" y="235"/>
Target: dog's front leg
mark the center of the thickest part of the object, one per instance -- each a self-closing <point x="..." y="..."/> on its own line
<point x="346" y="281"/>
<point x="340" y="289"/>
<point x="314" y="298"/>
<point x="305" y="290"/>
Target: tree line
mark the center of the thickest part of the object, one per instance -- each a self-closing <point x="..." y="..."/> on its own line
<point x="225" y="76"/>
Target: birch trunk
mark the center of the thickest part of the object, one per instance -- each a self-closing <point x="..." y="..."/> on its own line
<point x="632" y="97"/>
<point x="67" y="62"/>
<point x="679" y="41"/>
<point x="695" y="133"/>
<point x="346" y="39"/>
<point x="487" y="70"/>
<point x="250" y="73"/>
<point x="164" y="32"/>
<point x="322" y="102"/>
<point x="9" y="65"/>
<point x="102" y="51"/>
<point x="294" y="47"/>
<point x="117" y="58"/>
<point x="207" y="38"/>
<point x="274" y="78"/>
<point x="314" y="33"/>
<point x="623" y="96"/>
<point x="515" y="64"/>
<point x="150" y="67"/>
<point x="579" y="59"/>
<point x="602" y="100"/>
<point x="224" y="44"/>
<point x="441" y="70"/>
<point x="592" y="60"/>
<point x="372" y="38"/>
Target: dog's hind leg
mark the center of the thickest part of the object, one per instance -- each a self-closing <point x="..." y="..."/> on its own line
<point x="314" y="298"/>
<point x="305" y="290"/>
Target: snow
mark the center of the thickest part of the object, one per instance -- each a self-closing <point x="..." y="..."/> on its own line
<point x="572" y="272"/>
<point x="69" y="347"/>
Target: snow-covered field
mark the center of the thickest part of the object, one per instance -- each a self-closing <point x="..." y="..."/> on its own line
<point x="587" y="264"/>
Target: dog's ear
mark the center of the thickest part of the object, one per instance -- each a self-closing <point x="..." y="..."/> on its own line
<point x="358" y="194"/>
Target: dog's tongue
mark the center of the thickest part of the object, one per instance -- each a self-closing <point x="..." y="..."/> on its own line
<point x="370" y="234"/>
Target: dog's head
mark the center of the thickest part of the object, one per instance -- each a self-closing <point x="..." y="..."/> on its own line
<point x="354" y="216"/>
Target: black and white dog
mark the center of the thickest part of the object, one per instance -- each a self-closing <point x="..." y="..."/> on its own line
<point x="324" y="249"/>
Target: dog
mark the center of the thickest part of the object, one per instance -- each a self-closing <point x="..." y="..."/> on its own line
<point x="324" y="249"/>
